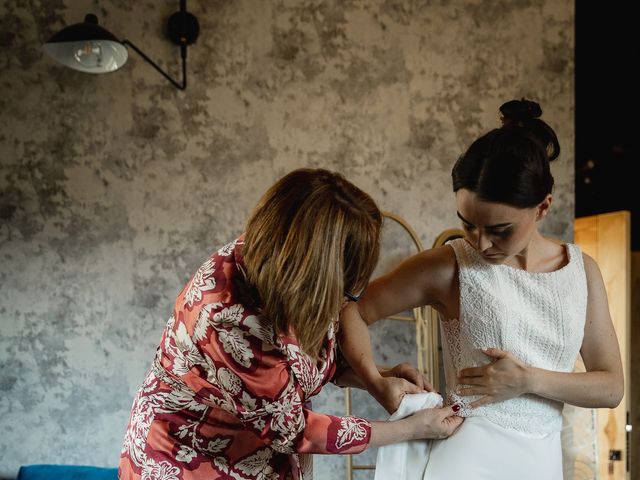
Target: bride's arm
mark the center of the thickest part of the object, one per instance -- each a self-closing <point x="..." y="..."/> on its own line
<point x="424" y="279"/>
<point x="602" y="385"/>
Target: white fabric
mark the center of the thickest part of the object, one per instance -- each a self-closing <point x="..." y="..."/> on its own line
<point x="538" y="317"/>
<point x="482" y="450"/>
<point x="406" y="460"/>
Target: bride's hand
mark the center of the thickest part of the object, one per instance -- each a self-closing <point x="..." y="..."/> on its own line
<point x="506" y="377"/>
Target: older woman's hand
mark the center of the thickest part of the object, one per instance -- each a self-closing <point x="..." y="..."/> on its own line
<point x="395" y="383"/>
<point x="436" y="422"/>
<point x="506" y="377"/>
<point x="406" y="371"/>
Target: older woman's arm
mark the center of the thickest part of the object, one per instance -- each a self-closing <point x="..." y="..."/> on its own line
<point x="348" y="435"/>
<point x="272" y="406"/>
<point x="345" y="376"/>
<point x="426" y="278"/>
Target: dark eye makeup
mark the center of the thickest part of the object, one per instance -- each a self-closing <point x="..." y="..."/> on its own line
<point x="502" y="233"/>
<point x="505" y="232"/>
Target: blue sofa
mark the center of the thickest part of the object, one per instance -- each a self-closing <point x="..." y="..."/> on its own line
<point x="66" y="472"/>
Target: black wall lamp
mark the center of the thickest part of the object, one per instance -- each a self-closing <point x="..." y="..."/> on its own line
<point x="87" y="47"/>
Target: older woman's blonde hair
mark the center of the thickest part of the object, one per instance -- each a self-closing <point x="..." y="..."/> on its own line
<point x="312" y="237"/>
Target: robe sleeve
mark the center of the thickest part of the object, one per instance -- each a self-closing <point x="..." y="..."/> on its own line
<point x="283" y="420"/>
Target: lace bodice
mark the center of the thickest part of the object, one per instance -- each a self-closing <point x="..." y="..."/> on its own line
<point x="538" y="317"/>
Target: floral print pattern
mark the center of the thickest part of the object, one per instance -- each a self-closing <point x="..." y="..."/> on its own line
<point x="352" y="430"/>
<point x="227" y="397"/>
<point x="201" y="282"/>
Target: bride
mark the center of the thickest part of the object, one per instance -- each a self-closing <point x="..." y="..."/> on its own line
<point x="516" y="309"/>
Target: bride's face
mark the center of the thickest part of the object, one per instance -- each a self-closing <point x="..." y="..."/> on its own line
<point x="496" y="230"/>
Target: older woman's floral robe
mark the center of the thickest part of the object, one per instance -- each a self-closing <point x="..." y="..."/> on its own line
<point x="226" y="397"/>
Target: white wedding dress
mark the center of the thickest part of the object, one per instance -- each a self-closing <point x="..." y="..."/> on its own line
<point x="539" y="318"/>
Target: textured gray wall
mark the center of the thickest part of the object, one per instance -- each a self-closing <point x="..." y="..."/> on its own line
<point x="113" y="188"/>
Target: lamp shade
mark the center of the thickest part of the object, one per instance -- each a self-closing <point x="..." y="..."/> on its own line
<point x="87" y="47"/>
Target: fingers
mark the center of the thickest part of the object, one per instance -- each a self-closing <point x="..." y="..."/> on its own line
<point x="395" y="391"/>
<point x="476" y="390"/>
<point x="453" y="420"/>
<point x="495" y="352"/>
<point x="471" y="372"/>
<point x="426" y="385"/>
<point x="477" y="381"/>
<point x="438" y="422"/>
<point x="390" y="394"/>
<point x="449" y="411"/>
<point x="414" y="377"/>
<point x="465" y="392"/>
<point x="453" y="423"/>
<point x="448" y="420"/>
<point x="483" y="401"/>
<point x="405" y="370"/>
<point x="409" y="387"/>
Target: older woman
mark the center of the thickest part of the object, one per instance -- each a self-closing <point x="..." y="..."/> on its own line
<point x="252" y="338"/>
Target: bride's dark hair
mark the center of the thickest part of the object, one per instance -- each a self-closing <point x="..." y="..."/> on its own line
<point x="510" y="164"/>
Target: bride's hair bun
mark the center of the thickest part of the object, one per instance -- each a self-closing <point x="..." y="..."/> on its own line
<point x="520" y="111"/>
<point x="524" y="115"/>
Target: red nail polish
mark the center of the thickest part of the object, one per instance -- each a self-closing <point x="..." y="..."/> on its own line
<point x="455" y="407"/>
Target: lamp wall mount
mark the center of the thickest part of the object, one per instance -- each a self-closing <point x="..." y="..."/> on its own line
<point x="90" y="48"/>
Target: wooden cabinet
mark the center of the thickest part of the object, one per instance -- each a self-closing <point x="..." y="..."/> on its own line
<point x="606" y="238"/>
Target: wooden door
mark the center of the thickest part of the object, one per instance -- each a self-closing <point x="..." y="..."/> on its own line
<point x="634" y="385"/>
<point x="606" y="238"/>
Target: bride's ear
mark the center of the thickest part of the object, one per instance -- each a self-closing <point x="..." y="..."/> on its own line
<point x="543" y="207"/>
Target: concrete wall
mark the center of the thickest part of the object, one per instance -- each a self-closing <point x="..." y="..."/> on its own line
<point x="113" y="188"/>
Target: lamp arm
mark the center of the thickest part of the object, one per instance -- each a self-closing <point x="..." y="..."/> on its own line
<point x="183" y="54"/>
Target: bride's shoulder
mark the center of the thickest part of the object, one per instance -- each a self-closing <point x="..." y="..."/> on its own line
<point x="438" y="268"/>
<point x="441" y="258"/>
